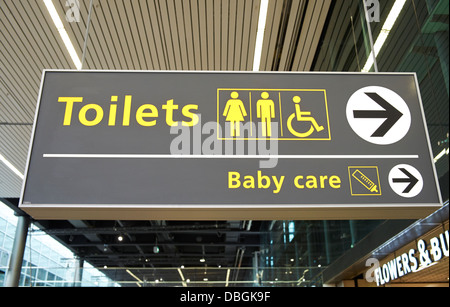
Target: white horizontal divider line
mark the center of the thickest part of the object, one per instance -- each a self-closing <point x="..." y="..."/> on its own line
<point x="169" y="156"/>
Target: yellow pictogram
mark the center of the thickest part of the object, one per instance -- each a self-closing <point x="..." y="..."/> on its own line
<point x="259" y="114"/>
<point x="266" y="111"/>
<point x="234" y="113"/>
<point x="302" y="117"/>
<point x="364" y="180"/>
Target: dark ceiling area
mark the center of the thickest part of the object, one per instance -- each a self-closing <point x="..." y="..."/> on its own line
<point x="215" y="246"/>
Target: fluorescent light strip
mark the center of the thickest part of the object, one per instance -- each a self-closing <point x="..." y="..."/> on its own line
<point x="385" y="30"/>
<point x="441" y="154"/>
<point x="181" y="274"/>
<point x="260" y="34"/>
<point x="11" y="167"/>
<point x="183" y="281"/>
<point x="135" y="277"/>
<point x="227" y="278"/>
<point x="63" y="33"/>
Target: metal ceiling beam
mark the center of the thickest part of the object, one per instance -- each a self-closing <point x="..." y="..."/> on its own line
<point x="151" y="244"/>
<point x="147" y="230"/>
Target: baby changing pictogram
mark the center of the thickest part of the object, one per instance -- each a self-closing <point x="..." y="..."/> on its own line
<point x="364" y="180"/>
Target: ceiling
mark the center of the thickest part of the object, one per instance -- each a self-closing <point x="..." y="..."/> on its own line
<point x="300" y="35"/>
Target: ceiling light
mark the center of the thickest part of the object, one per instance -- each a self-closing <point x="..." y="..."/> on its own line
<point x="63" y="33"/>
<point x="260" y="34"/>
<point x="11" y="167"/>
<point x="440" y="155"/>
<point x="120" y="238"/>
<point x="181" y="274"/>
<point x="227" y="278"/>
<point x="134" y="276"/>
<point x="202" y="260"/>
<point x="384" y="33"/>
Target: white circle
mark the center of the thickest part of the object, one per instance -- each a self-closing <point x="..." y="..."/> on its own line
<point x="365" y="127"/>
<point x="396" y="175"/>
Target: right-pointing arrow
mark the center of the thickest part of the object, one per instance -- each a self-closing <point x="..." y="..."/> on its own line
<point x="391" y="114"/>
<point x="411" y="180"/>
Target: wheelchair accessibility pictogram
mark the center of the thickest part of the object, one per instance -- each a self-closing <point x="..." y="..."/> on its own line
<point x="304" y="116"/>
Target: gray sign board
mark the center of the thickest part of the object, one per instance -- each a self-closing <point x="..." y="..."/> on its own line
<point x="229" y="145"/>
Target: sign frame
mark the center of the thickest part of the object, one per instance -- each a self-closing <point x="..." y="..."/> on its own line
<point x="227" y="211"/>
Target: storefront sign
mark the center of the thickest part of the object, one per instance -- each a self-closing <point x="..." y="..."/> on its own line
<point x="210" y="145"/>
<point x="414" y="260"/>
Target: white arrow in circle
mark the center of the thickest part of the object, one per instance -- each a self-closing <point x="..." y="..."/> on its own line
<point x="391" y="114"/>
<point x="378" y="115"/>
<point x="405" y="180"/>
